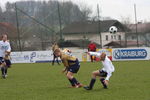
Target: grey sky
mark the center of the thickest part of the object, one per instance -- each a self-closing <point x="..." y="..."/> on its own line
<point x="112" y="8"/>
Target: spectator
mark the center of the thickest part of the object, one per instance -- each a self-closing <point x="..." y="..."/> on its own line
<point x="92" y="48"/>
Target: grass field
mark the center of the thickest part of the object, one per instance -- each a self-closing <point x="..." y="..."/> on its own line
<point x="41" y="81"/>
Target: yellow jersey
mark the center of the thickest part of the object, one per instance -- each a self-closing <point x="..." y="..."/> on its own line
<point x="68" y="60"/>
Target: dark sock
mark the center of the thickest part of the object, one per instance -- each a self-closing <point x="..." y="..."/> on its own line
<point x="72" y="83"/>
<point x="75" y="81"/>
<point x="53" y="62"/>
<point x="102" y="81"/>
<point x="58" y="62"/>
<point x="92" y="83"/>
<point x="3" y="70"/>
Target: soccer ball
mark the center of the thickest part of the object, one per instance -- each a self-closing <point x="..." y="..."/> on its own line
<point x="113" y="29"/>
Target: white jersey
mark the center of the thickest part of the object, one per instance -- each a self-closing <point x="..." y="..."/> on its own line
<point x="107" y="64"/>
<point x="4" y="46"/>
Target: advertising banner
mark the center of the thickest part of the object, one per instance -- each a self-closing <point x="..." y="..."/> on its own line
<point x="123" y="54"/>
<point x="38" y="56"/>
<point x="107" y="51"/>
<point x="31" y="56"/>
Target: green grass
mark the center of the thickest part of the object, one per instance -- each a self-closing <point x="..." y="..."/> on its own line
<point x="41" y="81"/>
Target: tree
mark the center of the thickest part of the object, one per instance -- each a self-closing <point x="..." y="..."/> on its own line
<point x="86" y="12"/>
<point x="1" y="14"/>
<point x="126" y="20"/>
<point x="45" y="13"/>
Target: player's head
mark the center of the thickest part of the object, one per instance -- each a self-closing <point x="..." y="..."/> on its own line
<point x="102" y="56"/>
<point x="57" y="52"/>
<point x="4" y="37"/>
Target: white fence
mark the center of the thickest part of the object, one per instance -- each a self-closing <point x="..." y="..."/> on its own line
<point x="118" y="54"/>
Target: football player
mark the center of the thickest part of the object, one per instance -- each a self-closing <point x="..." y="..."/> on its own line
<point x="105" y="73"/>
<point x="71" y="65"/>
<point x="5" y="50"/>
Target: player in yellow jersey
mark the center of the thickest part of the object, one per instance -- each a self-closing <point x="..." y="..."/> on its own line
<point x="71" y="65"/>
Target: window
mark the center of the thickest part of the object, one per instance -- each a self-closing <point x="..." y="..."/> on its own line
<point x="106" y="37"/>
<point x="111" y="36"/>
<point x="115" y="37"/>
<point x="119" y="37"/>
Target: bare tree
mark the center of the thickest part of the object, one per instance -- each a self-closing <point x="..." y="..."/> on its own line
<point x="126" y="20"/>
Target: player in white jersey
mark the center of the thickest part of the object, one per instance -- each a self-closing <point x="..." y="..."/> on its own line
<point x="105" y="73"/>
<point x="5" y="50"/>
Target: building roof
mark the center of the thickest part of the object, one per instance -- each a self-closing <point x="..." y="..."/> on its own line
<point x="92" y="26"/>
<point x="76" y="43"/>
<point x="141" y="27"/>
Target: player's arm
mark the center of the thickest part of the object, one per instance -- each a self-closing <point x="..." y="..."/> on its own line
<point x="65" y="62"/>
<point x="64" y="70"/>
<point x="7" y="52"/>
<point x="94" y="54"/>
<point x="66" y="65"/>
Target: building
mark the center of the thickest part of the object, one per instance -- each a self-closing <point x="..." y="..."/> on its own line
<point x="142" y="32"/>
<point x="90" y="30"/>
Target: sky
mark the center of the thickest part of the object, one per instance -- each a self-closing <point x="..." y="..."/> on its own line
<point x="115" y="9"/>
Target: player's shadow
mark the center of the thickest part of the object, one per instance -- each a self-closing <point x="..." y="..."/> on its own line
<point x="59" y="88"/>
<point x="94" y="90"/>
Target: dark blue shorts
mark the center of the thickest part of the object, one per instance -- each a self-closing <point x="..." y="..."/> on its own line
<point x="8" y="62"/>
<point x="102" y="73"/>
<point x="74" y="68"/>
<point x="2" y="60"/>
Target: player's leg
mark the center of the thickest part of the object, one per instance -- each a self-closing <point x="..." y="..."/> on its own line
<point x="57" y="61"/>
<point x="70" y="78"/>
<point x="3" y="68"/>
<point x="92" y="82"/>
<point x="103" y="74"/>
<point x="91" y="58"/>
<point x="53" y="61"/>
<point x="74" y="82"/>
<point x="8" y="65"/>
<point x="71" y="70"/>
<point x="3" y="71"/>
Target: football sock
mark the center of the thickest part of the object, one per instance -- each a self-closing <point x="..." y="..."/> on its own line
<point x="92" y="83"/>
<point x="72" y="83"/>
<point x="57" y="61"/>
<point x="75" y="81"/>
<point x="3" y="70"/>
<point x="102" y="81"/>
